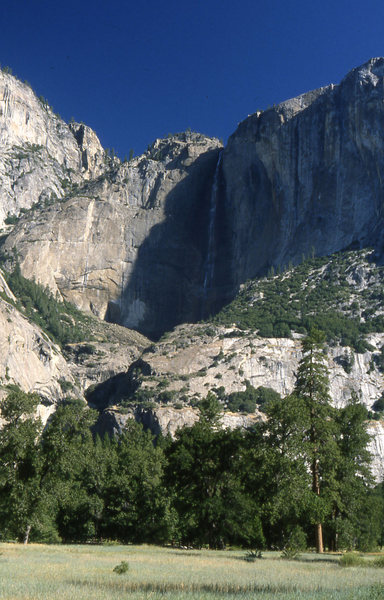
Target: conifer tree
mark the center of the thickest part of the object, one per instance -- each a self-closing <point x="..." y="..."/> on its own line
<point x="281" y="478"/>
<point x="316" y="466"/>
<point x="312" y="386"/>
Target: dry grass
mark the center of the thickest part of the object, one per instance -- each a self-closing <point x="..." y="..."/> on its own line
<point x="86" y="572"/>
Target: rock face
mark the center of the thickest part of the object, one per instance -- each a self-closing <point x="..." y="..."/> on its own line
<point x="165" y="420"/>
<point x="196" y="358"/>
<point x="30" y="360"/>
<point x="148" y="245"/>
<point x="306" y="175"/>
<point x="130" y="247"/>
<point x="166" y="237"/>
<point x="376" y="447"/>
<point x="40" y="156"/>
<point x="109" y="352"/>
<point x="180" y="370"/>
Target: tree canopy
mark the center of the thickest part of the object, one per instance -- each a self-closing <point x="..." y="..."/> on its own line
<point x="302" y="473"/>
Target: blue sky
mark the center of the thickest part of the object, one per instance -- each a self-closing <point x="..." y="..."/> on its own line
<point x="135" y="71"/>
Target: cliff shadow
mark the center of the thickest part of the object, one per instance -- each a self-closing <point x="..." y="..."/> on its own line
<point x="166" y="285"/>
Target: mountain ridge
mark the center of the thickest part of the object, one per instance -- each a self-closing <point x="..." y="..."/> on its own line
<point x="303" y="174"/>
<point x="131" y="242"/>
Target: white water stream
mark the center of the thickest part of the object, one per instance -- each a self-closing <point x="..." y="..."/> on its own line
<point x="209" y="268"/>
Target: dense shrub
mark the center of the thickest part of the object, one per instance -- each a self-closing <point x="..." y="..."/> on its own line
<point x="350" y="559"/>
<point x="314" y="295"/>
<point x="247" y="400"/>
<point x="378" y="406"/>
<point x="121" y="568"/>
<point x="297" y="542"/>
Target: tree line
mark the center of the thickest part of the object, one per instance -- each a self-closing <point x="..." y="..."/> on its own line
<point x="302" y="476"/>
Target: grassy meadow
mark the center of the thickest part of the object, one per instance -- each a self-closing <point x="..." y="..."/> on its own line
<point x="86" y="572"/>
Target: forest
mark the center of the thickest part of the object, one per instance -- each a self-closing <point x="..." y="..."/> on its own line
<point x="298" y="479"/>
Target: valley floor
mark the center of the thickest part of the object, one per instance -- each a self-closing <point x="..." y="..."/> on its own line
<point x="86" y="572"/>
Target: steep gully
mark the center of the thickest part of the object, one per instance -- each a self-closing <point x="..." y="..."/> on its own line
<point x="209" y="266"/>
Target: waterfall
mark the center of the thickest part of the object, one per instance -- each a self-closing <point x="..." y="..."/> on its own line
<point x="209" y="267"/>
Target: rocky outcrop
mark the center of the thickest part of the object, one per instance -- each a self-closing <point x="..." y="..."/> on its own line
<point x="93" y="158"/>
<point x="130" y="247"/>
<point x="5" y="289"/>
<point x="135" y="245"/>
<point x="112" y="422"/>
<point x="30" y="360"/>
<point x="164" y="420"/>
<point x="196" y="358"/>
<point x="376" y="447"/>
<point x="159" y="420"/>
<point x="305" y="175"/>
<point x="41" y="157"/>
<point x="112" y="349"/>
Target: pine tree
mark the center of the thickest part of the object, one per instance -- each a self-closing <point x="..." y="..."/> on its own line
<point x="315" y="469"/>
<point x="312" y="386"/>
<point x="281" y="478"/>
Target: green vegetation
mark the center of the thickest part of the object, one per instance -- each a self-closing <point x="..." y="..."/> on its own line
<point x="246" y="401"/>
<point x="378" y="406"/>
<point x="26" y="150"/>
<point x="60" y="320"/>
<point x="351" y="559"/>
<point x="317" y="461"/>
<point x="299" y="479"/>
<point x="206" y="478"/>
<point x="378" y="562"/>
<point x="121" y="568"/>
<point x="11" y="219"/>
<point x="20" y="460"/>
<point x="7" y="70"/>
<point x="253" y="555"/>
<point x="319" y="293"/>
<point x="296" y="543"/>
<point x="249" y="399"/>
<point x="62" y="484"/>
<point x="318" y="425"/>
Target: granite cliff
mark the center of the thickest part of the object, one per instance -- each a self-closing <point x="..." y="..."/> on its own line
<point x="125" y="376"/>
<point x="31" y="360"/>
<point x="305" y="175"/>
<point x="170" y="236"/>
<point x="40" y="156"/>
<point x="129" y="246"/>
<point x="163" y="389"/>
